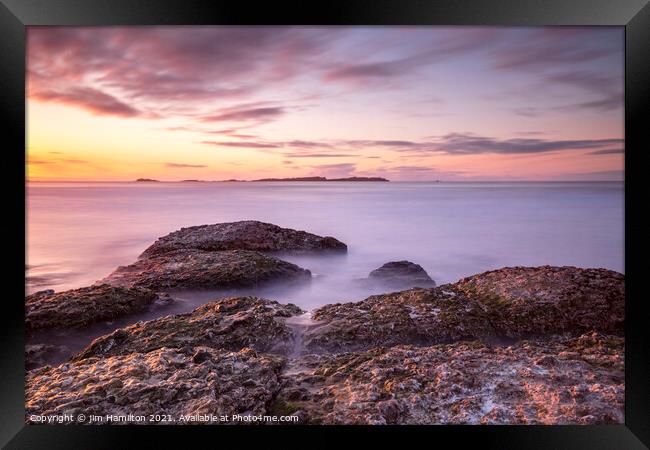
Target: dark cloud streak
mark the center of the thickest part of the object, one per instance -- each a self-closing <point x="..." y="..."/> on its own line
<point x="610" y="151"/>
<point x="464" y="144"/>
<point x="255" y="114"/>
<point x="447" y="46"/>
<point x="241" y="144"/>
<point x="320" y="155"/>
<point x="184" y="166"/>
<point x="92" y="100"/>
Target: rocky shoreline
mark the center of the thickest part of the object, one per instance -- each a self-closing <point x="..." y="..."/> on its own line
<point x="77" y="308"/>
<point x="518" y="345"/>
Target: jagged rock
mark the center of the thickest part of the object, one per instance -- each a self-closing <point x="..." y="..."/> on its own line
<point x="542" y="300"/>
<point x="576" y="381"/>
<point x="506" y="346"/>
<point x="243" y="235"/>
<point x="81" y="307"/>
<point x="165" y="381"/>
<point x="416" y="316"/>
<point x="230" y="323"/>
<point x="510" y="303"/>
<point x="400" y="275"/>
<point x="196" y="269"/>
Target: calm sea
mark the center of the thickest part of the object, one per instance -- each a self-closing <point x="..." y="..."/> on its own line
<point x="78" y="233"/>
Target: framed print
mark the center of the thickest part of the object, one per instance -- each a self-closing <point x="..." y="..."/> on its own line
<point x="412" y="218"/>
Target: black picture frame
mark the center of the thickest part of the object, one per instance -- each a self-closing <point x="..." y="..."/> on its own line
<point x="634" y="15"/>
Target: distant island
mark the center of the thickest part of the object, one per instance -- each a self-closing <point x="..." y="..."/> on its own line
<point x="151" y="180"/>
<point x="324" y="179"/>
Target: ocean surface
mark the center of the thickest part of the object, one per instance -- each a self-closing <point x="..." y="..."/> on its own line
<point x="78" y="233"/>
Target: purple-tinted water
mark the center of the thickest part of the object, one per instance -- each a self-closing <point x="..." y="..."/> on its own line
<point x="78" y="233"/>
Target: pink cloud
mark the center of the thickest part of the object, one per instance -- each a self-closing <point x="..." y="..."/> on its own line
<point x="161" y="69"/>
<point x="256" y="114"/>
<point x="91" y="100"/>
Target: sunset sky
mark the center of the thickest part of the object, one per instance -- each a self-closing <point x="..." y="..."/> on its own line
<point x="405" y="103"/>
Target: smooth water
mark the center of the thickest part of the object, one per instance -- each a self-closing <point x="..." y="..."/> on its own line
<point x="77" y="233"/>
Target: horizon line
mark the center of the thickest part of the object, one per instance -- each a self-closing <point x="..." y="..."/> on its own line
<point x="330" y="180"/>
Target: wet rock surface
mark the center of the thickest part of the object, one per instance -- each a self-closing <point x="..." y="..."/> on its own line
<point x="243" y="235"/>
<point x="518" y="345"/>
<point x="415" y="316"/>
<point x="575" y="381"/>
<point x="163" y="381"/>
<point x="496" y="306"/>
<point x="195" y="269"/>
<point x="542" y="300"/>
<point x="400" y="275"/>
<point x="37" y="355"/>
<point x="230" y="323"/>
<point x="81" y="307"/>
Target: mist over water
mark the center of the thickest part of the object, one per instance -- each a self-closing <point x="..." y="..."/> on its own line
<point x="78" y="233"/>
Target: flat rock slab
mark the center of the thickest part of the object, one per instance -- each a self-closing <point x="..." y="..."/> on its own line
<point x="401" y="275"/>
<point x="546" y="299"/>
<point x="575" y="381"/>
<point x="162" y="382"/>
<point x="196" y="269"/>
<point x="78" y="308"/>
<point x="244" y="235"/>
<point x="496" y="306"/>
<point x="230" y="323"/>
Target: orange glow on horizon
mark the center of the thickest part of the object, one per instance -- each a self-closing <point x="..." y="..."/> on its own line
<point x="98" y="124"/>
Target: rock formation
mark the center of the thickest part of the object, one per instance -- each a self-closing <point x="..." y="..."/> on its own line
<point x="230" y="323"/>
<point x="37" y="355"/>
<point x="574" y="381"/>
<point x="416" y="316"/>
<point x="400" y="275"/>
<point x="81" y="307"/>
<point x="544" y="300"/>
<point x="496" y="306"/>
<point x="162" y="382"/>
<point x="519" y="345"/>
<point x="244" y="235"/>
<point x="207" y="257"/>
<point x="197" y="269"/>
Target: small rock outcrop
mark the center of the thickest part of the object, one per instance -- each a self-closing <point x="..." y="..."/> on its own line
<point x="197" y="269"/>
<point x="162" y="382"/>
<point x="81" y="307"/>
<point x="575" y="381"/>
<point x="243" y="235"/>
<point x="230" y="323"/>
<point x="401" y="275"/>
